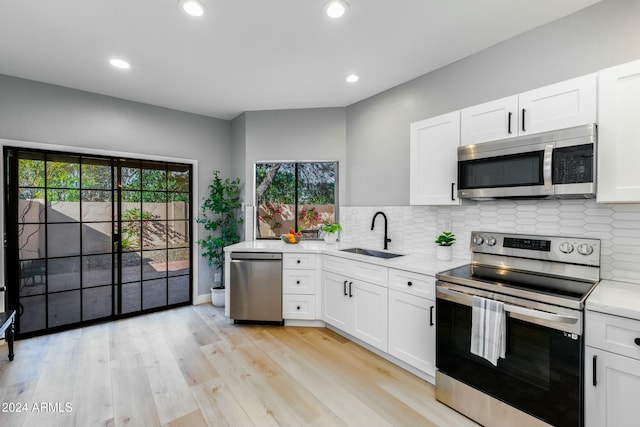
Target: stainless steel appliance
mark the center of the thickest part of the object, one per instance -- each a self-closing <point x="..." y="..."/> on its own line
<point x="543" y="283"/>
<point x="255" y="291"/>
<point x="558" y="164"/>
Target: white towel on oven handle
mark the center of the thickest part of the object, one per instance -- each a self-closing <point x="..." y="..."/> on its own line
<point x="488" y="329"/>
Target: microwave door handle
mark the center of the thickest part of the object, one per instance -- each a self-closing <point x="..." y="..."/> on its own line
<point x="547" y="162"/>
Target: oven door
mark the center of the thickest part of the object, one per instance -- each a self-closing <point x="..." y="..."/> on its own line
<point x="541" y="373"/>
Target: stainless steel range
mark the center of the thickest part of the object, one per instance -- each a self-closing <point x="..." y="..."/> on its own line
<point x="523" y="296"/>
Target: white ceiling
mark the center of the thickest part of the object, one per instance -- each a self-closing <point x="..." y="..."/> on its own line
<point x="246" y="55"/>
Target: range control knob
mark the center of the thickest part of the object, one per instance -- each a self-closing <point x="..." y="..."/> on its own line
<point x="491" y="241"/>
<point x="585" y="249"/>
<point x="566" y="247"/>
<point x="478" y="240"/>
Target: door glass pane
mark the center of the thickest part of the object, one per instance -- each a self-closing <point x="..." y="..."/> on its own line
<point x="154" y="205"/>
<point x="131" y="267"/>
<point x="96" y="302"/>
<point x="154" y="264"/>
<point x="131" y="178"/>
<point x="178" y="289"/>
<point x="31" y="241"/>
<point x="30" y="205"/>
<point x="131" y="297"/>
<point x="178" y="261"/>
<point x="33" y="316"/>
<point x="178" y="178"/>
<point x="154" y="179"/>
<point x="64" y="308"/>
<point x="154" y="293"/>
<point x="63" y="240"/>
<point x="64" y="274"/>
<point x="63" y="172"/>
<point x="178" y="233"/>
<point x="178" y="206"/>
<point x="154" y="234"/>
<point x="33" y="277"/>
<point x="96" y="174"/>
<point x="96" y="238"/>
<point x="63" y="206"/>
<point x="31" y="169"/>
<point x="97" y="205"/>
<point x="97" y="270"/>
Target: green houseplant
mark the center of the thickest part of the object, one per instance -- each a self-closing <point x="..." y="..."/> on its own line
<point x="444" y="242"/>
<point x="220" y="217"/>
<point x="331" y="231"/>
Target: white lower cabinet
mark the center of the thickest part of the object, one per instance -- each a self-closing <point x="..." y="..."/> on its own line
<point x="353" y="305"/>
<point x="299" y="286"/>
<point x="612" y="370"/>
<point x="412" y="317"/>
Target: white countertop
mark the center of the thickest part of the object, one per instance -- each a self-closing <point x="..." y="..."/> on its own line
<point x="617" y="298"/>
<point x="417" y="263"/>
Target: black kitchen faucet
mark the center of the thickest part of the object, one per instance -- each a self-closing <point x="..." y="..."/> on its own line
<point x="373" y="223"/>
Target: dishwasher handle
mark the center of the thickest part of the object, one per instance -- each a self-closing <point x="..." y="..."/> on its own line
<point x="258" y="256"/>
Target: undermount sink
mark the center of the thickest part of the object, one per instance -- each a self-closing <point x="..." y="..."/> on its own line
<point x="371" y="252"/>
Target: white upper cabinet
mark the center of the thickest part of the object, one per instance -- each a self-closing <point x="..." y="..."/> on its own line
<point x="619" y="134"/>
<point x="490" y="121"/>
<point x="433" y="162"/>
<point x="557" y="106"/>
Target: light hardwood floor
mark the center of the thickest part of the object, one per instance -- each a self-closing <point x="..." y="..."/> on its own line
<point x="189" y="367"/>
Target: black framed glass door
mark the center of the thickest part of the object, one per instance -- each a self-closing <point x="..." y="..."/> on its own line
<point x="91" y="238"/>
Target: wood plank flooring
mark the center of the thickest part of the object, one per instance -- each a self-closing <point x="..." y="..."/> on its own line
<point x="189" y="367"/>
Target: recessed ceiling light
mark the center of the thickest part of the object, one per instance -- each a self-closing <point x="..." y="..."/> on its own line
<point x="336" y="8"/>
<point x="119" y="63"/>
<point x="352" y="78"/>
<point x="193" y="7"/>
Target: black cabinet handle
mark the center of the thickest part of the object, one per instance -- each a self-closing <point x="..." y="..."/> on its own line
<point x="298" y="308"/>
<point x="523" y="113"/>
<point x="297" y="282"/>
<point x="509" y="122"/>
<point x="431" y="315"/>
<point x="409" y="283"/>
<point x="595" y="371"/>
<point x="453" y="184"/>
<point x="298" y="261"/>
<point x="637" y="341"/>
<point x="344" y="288"/>
<point x="350" y="294"/>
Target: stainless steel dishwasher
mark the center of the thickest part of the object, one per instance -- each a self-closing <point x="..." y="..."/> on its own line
<point x="255" y="291"/>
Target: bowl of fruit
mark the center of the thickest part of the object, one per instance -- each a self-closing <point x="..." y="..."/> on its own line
<point x="291" y="237"/>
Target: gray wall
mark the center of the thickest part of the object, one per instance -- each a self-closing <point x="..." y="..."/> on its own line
<point x="600" y="36"/>
<point x="38" y="112"/>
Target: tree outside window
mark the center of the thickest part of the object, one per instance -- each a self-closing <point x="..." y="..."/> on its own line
<point x="295" y="195"/>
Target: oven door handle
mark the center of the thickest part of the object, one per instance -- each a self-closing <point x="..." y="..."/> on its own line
<point x="547" y="164"/>
<point x="520" y="312"/>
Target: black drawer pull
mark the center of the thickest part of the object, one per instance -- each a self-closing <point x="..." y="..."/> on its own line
<point x="298" y="261"/>
<point x="509" y="123"/>
<point x="298" y="308"/>
<point x="431" y="315"/>
<point x="409" y="283"/>
<point x="297" y="282"/>
<point x="453" y="184"/>
<point x="344" y="288"/>
<point x="595" y="372"/>
<point x="637" y="341"/>
<point x="523" y="113"/>
<point x="350" y="294"/>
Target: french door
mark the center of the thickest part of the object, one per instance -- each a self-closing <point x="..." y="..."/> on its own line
<point x="92" y="238"/>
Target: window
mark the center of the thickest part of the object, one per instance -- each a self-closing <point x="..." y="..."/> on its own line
<point x="298" y="195"/>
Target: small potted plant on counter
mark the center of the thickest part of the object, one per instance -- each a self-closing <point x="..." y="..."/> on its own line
<point x="331" y="232"/>
<point x="444" y="242"/>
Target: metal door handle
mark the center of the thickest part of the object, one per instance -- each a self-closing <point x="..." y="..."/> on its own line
<point x="453" y="184"/>
<point x="431" y="315"/>
<point x="547" y="162"/>
<point x="509" y="122"/>
<point x="344" y="288"/>
<point x="561" y="318"/>
<point x="523" y="113"/>
<point x="350" y="294"/>
<point x="595" y="371"/>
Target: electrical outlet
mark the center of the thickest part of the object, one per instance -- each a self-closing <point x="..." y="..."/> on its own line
<point x="217" y="277"/>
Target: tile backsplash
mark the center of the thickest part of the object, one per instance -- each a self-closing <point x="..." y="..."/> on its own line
<point x="414" y="228"/>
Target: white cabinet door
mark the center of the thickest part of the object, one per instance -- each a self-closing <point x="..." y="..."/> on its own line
<point x="370" y="313"/>
<point x="489" y="121"/>
<point x="335" y="304"/>
<point x="433" y="162"/>
<point x="557" y="106"/>
<point x="619" y="134"/>
<point x="613" y="401"/>
<point x="412" y="330"/>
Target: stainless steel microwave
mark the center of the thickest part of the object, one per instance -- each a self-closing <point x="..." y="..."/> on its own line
<point x="558" y="164"/>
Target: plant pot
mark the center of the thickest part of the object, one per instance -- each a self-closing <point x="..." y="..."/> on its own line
<point x="330" y="238"/>
<point x="217" y="297"/>
<point x="443" y="253"/>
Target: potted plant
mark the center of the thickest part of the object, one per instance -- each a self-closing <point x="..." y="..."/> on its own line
<point x="219" y="215"/>
<point x="444" y="242"/>
<point x="331" y="232"/>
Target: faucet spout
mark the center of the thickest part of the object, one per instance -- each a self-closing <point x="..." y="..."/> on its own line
<point x="373" y="223"/>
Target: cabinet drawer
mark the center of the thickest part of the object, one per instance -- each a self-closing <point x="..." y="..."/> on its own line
<point x="299" y="281"/>
<point x="299" y="261"/>
<point x="613" y="333"/>
<point x="412" y="283"/>
<point x="337" y="265"/>
<point x="299" y="307"/>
